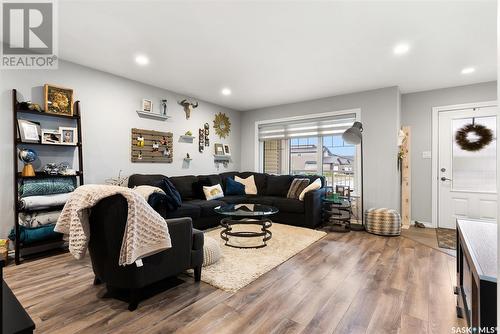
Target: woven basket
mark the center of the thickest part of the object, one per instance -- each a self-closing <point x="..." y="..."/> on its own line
<point x="383" y="221"/>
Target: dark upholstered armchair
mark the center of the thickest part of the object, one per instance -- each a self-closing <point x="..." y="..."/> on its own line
<point x="107" y="225"/>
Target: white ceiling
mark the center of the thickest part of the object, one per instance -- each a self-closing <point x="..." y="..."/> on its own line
<point x="277" y="52"/>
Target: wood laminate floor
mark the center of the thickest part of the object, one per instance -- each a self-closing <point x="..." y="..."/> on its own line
<point x="344" y="283"/>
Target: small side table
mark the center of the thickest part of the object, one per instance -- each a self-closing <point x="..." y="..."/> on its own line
<point x="337" y="214"/>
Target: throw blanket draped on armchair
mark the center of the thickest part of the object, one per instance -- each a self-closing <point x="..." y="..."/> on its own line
<point x="146" y="232"/>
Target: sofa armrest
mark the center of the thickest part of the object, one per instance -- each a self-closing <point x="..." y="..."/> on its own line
<point x="181" y="231"/>
<point x="198" y="239"/>
<point x="312" y="206"/>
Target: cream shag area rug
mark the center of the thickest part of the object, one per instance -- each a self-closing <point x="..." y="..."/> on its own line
<point x="239" y="267"/>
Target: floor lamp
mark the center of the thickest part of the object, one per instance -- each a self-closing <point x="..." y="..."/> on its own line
<point x="354" y="136"/>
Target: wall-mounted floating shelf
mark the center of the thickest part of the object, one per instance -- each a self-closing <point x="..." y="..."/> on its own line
<point x="186" y="139"/>
<point x="152" y="115"/>
<point x="188" y="159"/>
<point x="222" y="157"/>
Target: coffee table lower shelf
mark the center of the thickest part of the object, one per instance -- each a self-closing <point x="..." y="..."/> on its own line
<point x="227" y="231"/>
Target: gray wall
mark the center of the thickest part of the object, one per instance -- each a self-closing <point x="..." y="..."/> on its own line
<point x="417" y="113"/>
<point x="109" y="105"/>
<point x="380" y="110"/>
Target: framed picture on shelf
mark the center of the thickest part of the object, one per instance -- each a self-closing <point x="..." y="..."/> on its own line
<point x="227" y="150"/>
<point x="58" y="100"/>
<point x="29" y="132"/>
<point x="69" y="136"/>
<point x="51" y="137"/>
<point x="219" y="149"/>
<point x="147" y="105"/>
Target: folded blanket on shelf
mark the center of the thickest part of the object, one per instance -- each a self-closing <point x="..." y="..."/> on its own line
<point x="146" y="232"/>
<point x="32" y="235"/>
<point x="43" y="202"/>
<point x="37" y="219"/>
<point x="47" y="186"/>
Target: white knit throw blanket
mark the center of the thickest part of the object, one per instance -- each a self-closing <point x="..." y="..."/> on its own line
<point x="146" y="232"/>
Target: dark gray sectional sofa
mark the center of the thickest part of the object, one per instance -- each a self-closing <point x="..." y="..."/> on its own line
<point x="271" y="190"/>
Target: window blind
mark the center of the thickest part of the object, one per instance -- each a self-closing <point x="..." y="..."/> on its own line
<point x="306" y="128"/>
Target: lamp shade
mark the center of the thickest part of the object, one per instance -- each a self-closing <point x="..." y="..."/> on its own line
<point x="353" y="135"/>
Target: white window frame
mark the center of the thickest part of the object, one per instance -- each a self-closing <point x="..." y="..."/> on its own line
<point x="259" y="161"/>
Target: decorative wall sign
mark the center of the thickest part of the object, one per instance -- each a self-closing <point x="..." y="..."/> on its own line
<point x="222" y="125"/>
<point x="207" y="132"/>
<point x="201" y="140"/>
<point x="473" y="137"/>
<point x="151" y="146"/>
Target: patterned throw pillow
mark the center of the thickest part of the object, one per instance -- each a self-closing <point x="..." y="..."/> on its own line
<point x="297" y="186"/>
<point x="213" y="192"/>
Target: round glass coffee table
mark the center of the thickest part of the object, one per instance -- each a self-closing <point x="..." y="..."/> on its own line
<point x="246" y="214"/>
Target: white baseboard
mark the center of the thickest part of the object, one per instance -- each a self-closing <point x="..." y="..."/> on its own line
<point x="427" y="224"/>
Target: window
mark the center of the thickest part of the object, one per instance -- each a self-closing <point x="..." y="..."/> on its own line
<point x="338" y="162"/>
<point x="312" y="146"/>
<point x="272" y="157"/>
<point x="304" y="155"/>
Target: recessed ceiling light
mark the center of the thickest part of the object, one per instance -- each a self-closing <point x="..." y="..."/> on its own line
<point x="401" y="49"/>
<point x="226" y="91"/>
<point x="142" y="60"/>
<point x="468" y="70"/>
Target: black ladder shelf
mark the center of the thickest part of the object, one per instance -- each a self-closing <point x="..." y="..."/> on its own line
<point x="40" y="247"/>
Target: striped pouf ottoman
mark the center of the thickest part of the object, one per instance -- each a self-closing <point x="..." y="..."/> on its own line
<point x="383" y="221"/>
<point x="211" y="251"/>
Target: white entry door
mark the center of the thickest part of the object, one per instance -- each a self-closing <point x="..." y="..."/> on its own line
<point x="467" y="180"/>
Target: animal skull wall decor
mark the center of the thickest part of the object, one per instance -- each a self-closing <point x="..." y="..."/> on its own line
<point x="188" y="106"/>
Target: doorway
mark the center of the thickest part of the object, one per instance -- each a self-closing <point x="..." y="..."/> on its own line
<point x="465" y="176"/>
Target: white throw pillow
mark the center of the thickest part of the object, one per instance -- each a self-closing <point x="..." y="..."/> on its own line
<point x="213" y="192"/>
<point x="249" y="183"/>
<point x="313" y="186"/>
<point x="146" y="191"/>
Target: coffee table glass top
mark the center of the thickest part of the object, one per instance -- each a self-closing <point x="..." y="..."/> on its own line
<point x="246" y="210"/>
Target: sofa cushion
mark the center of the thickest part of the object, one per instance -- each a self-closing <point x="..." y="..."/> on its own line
<point x="234" y="199"/>
<point x="225" y="175"/>
<point x="278" y="185"/>
<point x="206" y="207"/>
<point x="144" y="179"/>
<point x="213" y="192"/>
<point x="265" y="200"/>
<point x="185" y="210"/>
<point x="184" y="184"/>
<point x="198" y="187"/>
<point x="288" y="205"/>
<point x="312" y="178"/>
<point x="259" y="178"/>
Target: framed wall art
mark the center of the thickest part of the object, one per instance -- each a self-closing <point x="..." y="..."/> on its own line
<point x="58" y="100"/>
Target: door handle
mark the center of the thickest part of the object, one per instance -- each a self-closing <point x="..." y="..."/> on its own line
<point x="445" y="179"/>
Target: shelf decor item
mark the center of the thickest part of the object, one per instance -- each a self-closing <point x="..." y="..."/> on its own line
<point x="222" y="125"/>
<point x="29" y="131"/>
<point x="68" y="135"/>
<point x="147" y="105"/>
<point x="58" y="100"/>
<point x="51" y="137"/>
<point x="473" y="137"/>
<point x="219" y="149"/>
<point x="27" y="156"/>
<point x="164" y="107"/>
<point x="227" y="150"/>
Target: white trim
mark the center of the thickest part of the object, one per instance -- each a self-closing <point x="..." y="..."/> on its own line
<point x="435" y="148"/>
